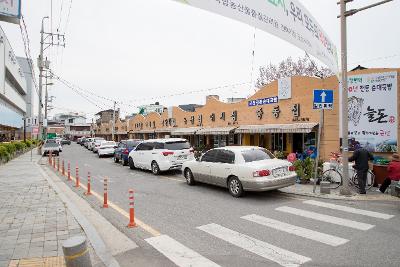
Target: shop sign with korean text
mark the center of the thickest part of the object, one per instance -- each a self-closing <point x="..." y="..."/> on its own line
<point x="288" y="20"/>
<point x="372" y="113"/>
<point x="263" y="101"/>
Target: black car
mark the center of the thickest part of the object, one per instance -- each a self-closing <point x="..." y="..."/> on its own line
<point x="124" y="147"/>
<point x="65" y="142"/>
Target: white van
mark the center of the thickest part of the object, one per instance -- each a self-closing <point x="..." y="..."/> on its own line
<point x="160" y="155"/>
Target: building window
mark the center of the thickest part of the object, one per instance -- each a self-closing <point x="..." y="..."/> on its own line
<point x="70" y="120"/>
<point x="279" y="141"/>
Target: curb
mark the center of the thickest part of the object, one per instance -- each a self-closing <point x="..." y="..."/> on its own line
<point x="94" y="237"/>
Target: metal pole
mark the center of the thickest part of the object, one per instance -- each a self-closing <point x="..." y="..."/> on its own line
<point x="321" y="125"/>
<point x="345" y="190"/>
<point x="113" y="122"/>
<point x="24" y="129"/>
<point x="46" y="97"/>
<point x="40" y="63"/>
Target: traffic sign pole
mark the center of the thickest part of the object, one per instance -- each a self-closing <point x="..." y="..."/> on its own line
<point x="320" y="127"/>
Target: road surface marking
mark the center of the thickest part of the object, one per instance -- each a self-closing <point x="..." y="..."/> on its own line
<point x="281" y="256"/>
<point x="160" y="176"/>
<point x="141" y="224"/>
<point x="326" y="218"/>
<point x="178" y="253"/>
<point x="350" y="209"/>
<point x="296" y="230"/>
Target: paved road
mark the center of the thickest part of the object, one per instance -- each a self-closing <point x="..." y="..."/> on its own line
<point x="204" y="225"/>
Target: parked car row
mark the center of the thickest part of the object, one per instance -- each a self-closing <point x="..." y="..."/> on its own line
<point x="237" y="168"/>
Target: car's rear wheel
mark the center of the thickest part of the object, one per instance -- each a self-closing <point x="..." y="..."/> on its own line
<point x="155" y="169"/>
<point x="189" y="177"/>
<point x="116" y="160"/>
<point x="131" y="164"/>
<point x="235" y="187"/>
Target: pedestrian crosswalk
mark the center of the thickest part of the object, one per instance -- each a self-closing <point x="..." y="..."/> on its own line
<point x="296" y="230"/>
<point x="184" y="256"/>
<point x="326" y="218"/>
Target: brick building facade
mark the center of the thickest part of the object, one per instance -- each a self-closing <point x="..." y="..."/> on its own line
<point x="289" y="125"/>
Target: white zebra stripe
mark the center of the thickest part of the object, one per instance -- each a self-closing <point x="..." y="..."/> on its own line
<point x="296" y="230"/>
<point x="178" y="253"/>
<point x="281" y="256"/>
<point x="326" y="218"/>
<point x="350" y="209"/>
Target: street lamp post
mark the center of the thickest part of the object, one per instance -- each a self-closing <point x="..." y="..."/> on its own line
<point x="345" y="190"/>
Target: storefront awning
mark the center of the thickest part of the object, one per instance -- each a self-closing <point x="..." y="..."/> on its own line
<point x="144" y="132"/>
<point x="164" y="130"/>
<point x="277" y="128"/>
<point x="216" y="131"/>
<point x="185" y="131"/>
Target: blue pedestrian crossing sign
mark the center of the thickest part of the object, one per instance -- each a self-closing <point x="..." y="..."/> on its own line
<point x="323" y="99"/>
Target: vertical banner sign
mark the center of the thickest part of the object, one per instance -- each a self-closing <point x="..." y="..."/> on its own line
<point x="10" y="10"/>
<point x="373" y="114"/>
<point x="288" y="20"/>
<point x="285" y="88"/>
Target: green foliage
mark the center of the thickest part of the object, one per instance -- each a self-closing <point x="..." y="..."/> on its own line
<point x="10" y="147"/>
<point x="279" y="154"/>
<point x="19" y="146"/>
<point x="28" y="143"/>
<point x="4" y="155"/>
<point x="305" y="168"/>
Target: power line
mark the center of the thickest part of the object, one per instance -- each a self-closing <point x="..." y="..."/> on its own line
<point x="27" y="49"/>
<point x="375" y="59"/>
<point x="127" y="103"/>
<point x="69" y="12"/>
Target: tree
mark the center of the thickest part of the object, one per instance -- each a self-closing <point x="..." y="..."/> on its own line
<point x="288" y="68"/>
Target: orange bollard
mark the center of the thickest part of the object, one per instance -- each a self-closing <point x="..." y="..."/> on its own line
<point x="105" y="204"/>
<point x="58" y="164"/>
<point x="88" y="193"/>
<point x="77" y="177"/>
<point x="69" y="171"/>
<point x="131" y="210"/>
<point x="63" y="168"/>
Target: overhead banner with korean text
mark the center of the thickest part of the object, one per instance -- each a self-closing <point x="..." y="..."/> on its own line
<point x="288" y="20"/>
<point x="373" y="111"/>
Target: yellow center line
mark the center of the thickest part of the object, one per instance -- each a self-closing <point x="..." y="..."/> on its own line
<point x="141" y="224"/>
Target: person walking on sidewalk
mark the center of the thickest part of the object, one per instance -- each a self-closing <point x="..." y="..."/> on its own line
<point x="393" y="173"/>
<point x="361" y="157"/>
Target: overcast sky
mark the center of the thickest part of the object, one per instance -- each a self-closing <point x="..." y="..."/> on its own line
<point x="147" y="50"/>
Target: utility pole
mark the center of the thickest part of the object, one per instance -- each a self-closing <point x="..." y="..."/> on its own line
<point x="113" y="122"/>
<point x="345" y="190"/>
<point x="40" y="64"/>
<point x="45" y="64"/>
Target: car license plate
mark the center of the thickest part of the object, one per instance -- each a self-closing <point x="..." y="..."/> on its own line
<point x="182" y="157"/>
<point x="279" y="172"/>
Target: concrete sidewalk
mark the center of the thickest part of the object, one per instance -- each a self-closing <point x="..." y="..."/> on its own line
<point x="34" y="221"/>
<point x="307" y="190"/>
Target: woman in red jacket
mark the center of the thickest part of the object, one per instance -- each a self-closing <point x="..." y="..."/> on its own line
<point x="393" y="173"/>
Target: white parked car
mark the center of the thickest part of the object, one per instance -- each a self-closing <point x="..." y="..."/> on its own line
<point x="56" y="141"/>
<point x="106" y="148"/>
<point x="87" y="142"/>
<point x="95" y="144"/>
<point x="240" y="168"/>
<point x="160" y="155"/>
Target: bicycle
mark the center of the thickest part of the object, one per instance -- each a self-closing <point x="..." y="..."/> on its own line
<point x="334" y="175"/>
